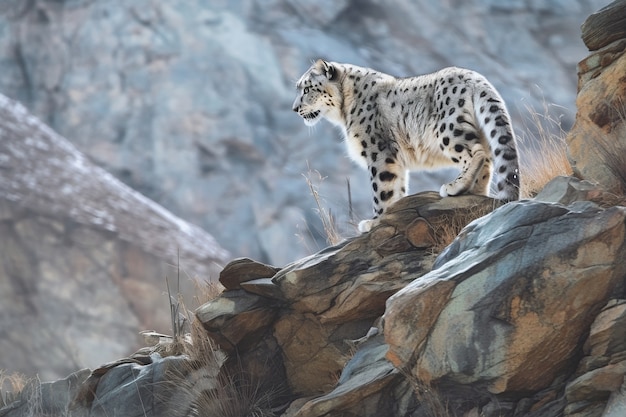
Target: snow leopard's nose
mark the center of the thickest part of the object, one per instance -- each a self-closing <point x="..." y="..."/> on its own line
<point x="296" y="104"/>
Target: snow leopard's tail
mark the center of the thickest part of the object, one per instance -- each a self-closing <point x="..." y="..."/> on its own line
<point x="496" y="125"/>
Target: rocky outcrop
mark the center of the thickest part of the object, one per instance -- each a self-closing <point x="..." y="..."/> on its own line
<point x="449" y="307"/>
<point x="83" y="258"/>
<point x="523" y="314"/>
<point x="597" y="142"/>
<point x="495" y="324"/>
<point x="189" y="101"/>
<point x="317" y="304"/>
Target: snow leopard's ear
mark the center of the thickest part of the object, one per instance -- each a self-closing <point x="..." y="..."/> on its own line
<point x="326" y="68"/>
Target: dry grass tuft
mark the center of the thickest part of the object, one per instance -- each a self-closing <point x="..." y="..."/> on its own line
<point x="11" y="385"/>
<point x="207" y="291"/>
<point x="181" y="319"/>
<point x="331" y="230"/>
<point x="17" y="387"/>
<point x="235" y="396"/>
<point x="545" y="157"/>
<point x="431" y="402"/>
<point x="208" y="388"/>
<point x="446" y="228"/>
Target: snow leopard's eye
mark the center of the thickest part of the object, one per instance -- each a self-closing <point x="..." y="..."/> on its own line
<point x="306" y="90"/>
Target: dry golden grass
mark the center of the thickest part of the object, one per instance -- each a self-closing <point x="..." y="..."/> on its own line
<point x="331" y="230"/>
<point x="210" y="388"/>
<point x="15" y="386"/>
<point x="10" y="386"/>
<point x="545" y="157"/>
<point x="447" y="228"/>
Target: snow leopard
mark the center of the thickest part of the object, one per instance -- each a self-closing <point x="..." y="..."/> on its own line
<point x="392" y="125"/>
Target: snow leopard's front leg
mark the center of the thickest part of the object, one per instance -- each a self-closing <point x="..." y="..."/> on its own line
<point x="389" y="184"/>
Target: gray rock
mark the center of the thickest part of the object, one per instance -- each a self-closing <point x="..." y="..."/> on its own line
<point x="135" y="390"/>
<point x="605" y="26"/>
<point x="369" y="385"/>
<point x="514" y="291"/>
<point x="47" y="398"/>
<point x="616" y="406"/>
<point x="567" y="190"/>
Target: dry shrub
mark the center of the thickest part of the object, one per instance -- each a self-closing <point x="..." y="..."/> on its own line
<point x="207" y="291"/>
<point x="544" y="157"/>
<point x="17" y="387"/>
<point x="206" y="387"/>
<point x="331" y="229"/>
<point x="431" y="402"/>
<point x="10" y="386"/>
<point x="235" y="395"/>
<point x="447" y="227"/>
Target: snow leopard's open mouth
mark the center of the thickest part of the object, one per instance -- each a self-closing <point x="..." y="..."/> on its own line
<point x="311" y="118"/>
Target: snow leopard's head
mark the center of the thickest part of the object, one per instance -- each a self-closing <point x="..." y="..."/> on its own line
<point x="319" y="93"/>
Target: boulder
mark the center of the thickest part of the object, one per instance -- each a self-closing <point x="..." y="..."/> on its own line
<point x="605" y="26"/>
<point x="236" y="318"/>
<point x="600" y="374"/>
<point x="515" y="314"/>
<point x="607" y="336"/>
<point x="132" y="387"/>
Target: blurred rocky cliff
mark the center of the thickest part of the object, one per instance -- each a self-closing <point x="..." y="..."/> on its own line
<point x="188" y="101"/>
<point x="83" y="257"/>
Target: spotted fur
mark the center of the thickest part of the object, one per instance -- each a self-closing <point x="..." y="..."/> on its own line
<point x="392" y="125"/>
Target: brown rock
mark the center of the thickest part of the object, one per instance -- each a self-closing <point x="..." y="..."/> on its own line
<point x="420" y="234"/>
<point x="423" y="298"/>
<point x="597" y="384"/>
<point x="312" y="359"/>
<point x="236" y="318"/>
<point x="242" y="270"/>
<point x="608" y="332"/>
<point x="365" y="387"/>
<point x="597" y="142"/>
<point x="605" y="26"/>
